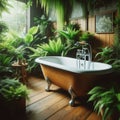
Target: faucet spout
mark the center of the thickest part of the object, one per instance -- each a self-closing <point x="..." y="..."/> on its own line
<point x="84" y="55"/>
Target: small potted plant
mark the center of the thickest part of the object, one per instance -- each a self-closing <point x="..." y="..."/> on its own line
<point x="13" y="96"/>
<point x="106" y="101"/>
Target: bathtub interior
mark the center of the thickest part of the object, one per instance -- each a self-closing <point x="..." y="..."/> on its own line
<point x="70" y="64"/>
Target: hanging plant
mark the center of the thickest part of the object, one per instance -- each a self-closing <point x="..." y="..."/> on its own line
<point x="63" y="8"/>
<point x="60" y="7"/>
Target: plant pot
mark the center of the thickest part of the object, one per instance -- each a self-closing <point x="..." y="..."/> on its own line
<point x="12" y="110"/>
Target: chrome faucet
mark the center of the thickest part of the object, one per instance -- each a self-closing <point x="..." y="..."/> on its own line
<point x="84" y="55"/>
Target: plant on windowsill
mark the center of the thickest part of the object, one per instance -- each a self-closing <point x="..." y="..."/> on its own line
<point x="106" y="101"/>
<point x="13" y="95"/>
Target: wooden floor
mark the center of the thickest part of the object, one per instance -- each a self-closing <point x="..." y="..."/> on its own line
<point x="54" y="105"/>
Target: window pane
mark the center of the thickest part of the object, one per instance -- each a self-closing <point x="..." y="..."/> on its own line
<point x="16" y="18"/>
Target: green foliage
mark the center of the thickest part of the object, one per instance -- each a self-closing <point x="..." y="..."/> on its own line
<point x="5" y="63"/>
<point x="70" y="33"/>
<point x="29" y="36"/>
<point x="35" y="52"/>
<point x="12" y="89"/>
<point x="3" y="27"/>
<point x="54" y="47"/>
<point x="43" y="24"/>
<point x="106" y="100"/>
<point x="4" y="6"/>
<point x="111" y="54"/>
<point x="61" y="9"/>
<point x="105" y="54"/>
<point x="86" y="36"/>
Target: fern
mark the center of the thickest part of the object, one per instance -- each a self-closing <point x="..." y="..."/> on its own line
<point x="106" y="100"/>
<point x="11" y="89"/>
<point x="54" y="47"/>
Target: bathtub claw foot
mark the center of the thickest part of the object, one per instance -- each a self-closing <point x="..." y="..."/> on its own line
<point x="73" y="96"/>
<point x="72" y="102"/>
<point x="48" y="84"/>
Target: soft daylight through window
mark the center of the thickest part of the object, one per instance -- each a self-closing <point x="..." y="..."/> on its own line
<point x="17" y="17"/>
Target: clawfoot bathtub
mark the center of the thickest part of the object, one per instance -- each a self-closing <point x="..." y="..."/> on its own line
<point x="63" y="72"/>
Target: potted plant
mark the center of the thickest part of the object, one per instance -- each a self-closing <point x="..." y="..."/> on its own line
<point x="13" y="96"/>
<point x="106" y="101"/>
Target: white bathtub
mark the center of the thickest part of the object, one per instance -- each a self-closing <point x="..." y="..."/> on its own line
<point x="64" y="72"/>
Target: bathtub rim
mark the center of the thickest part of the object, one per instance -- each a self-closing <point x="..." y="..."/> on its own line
<point x="41" y="60"/>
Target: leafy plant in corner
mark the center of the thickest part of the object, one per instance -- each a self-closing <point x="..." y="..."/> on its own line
<point x="11" y="89"/>
<point x="105" y="55"/>
<point x="13" y="95"/>
<point x="106" y="101"/>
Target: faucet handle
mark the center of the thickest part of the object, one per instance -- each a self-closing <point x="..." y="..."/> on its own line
<point x="85" y="50"/>
<point x="78" y="53"/>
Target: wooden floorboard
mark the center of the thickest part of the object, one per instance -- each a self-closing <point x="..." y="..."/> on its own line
<point x="54" y="105"/>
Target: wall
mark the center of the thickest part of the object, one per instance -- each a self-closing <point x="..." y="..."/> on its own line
<point x="101" y="39"/>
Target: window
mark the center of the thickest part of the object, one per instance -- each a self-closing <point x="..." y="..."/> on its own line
<point x="16" y="19"/>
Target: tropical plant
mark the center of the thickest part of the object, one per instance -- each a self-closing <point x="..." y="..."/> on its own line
<point x="108" y="55"/>
<point x="43" y="23"/>
<point x="116" y="44"/>
<point x="60" y="8"/>
<point x="3" y="27"/>
<point x="35" y="52"/>
<point x="5" y="63"/>
<point x="63" y="9"/>
<point x="53" y="47"/>
<point x="30" y="35"/>
<point x="86" y="36"/>
<point x="105" y="55"/>
<point x="12" y="89"/>
<point x="106" y="100"/>
<point x="111" y="54"/>
<point x="70" y="34"/>
<point x="4" y="6"/>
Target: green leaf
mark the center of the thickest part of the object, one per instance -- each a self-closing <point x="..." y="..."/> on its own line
<point x="118" y="96"/>
<point x="28" y="38"/>
<point x="107" y="113"/>
<point x="118" y="107"/>
<point x="95" y="90"/>
<point x="33" y="30"/>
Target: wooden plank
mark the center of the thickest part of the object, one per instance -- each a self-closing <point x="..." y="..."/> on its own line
<point x="112" y="37"/>
<point x="71" y="113"/>
<point x="38" y="97"/>
<point x="94" y="116"/>
<point x="45" y="102"/>
<point x="45" y="114"/>
<point x="38" y="92"/>
<point x="34" y="112"/>
<point x="54" y="106"/>
<point x="38" y="86"/>
<point x="78" y="113"/>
